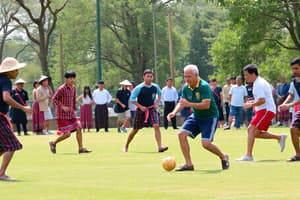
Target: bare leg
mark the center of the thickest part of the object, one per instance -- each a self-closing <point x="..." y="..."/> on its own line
<point x="295" y="133"/>
<point x="157" y="135"/>
<point x="79" y="138"/>
<point x="130" y="138"/>
<point x="62" y="137"/>
<point x="185" y="147"/>
<point x="7" y="156"/>
<point x="213" y="148"/>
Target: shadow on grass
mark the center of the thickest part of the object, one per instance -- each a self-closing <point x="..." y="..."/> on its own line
<point x="67" y="154"/>
<point x="149" y="152"/>
<point x="268" y="161"/>
<point x="209" y="171"/>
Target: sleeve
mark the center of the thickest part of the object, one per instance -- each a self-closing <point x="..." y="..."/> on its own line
<point x="175" y="94"/>
<point x="135" y="93"/>
<point x="292" y="88"/>
<point x="162" y="96"/>
<point x="74" y="100"/>
<point x="7" y="86"/>
<point x="118" y="94"/>
<point x="245" y="92"/>
<point x="57" y="97"/>
<point x="206" y="93"/>
<point x="259" y="91"/>
<point x="109" y="97"/>
<point x="230" y="91"/>
<point x="158" y="92"/>
<point x="26" y="96"/>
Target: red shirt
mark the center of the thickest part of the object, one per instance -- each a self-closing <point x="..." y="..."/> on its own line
<point x="65" y="96"/>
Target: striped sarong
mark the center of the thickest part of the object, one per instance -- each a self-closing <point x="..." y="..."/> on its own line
<point x="8" y="140"/>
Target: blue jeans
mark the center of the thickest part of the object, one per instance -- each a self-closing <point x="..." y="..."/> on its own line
<point x="237" y="111"/>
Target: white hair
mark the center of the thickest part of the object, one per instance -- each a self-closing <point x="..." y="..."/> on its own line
<point x="194" y="69"/>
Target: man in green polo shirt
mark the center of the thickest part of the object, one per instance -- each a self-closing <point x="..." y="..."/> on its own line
<point x="197" y="95"/>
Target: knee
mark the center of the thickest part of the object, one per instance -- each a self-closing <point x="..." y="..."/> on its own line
<point x="206" y="144"/>
<point x="182" y="135"/>
<point x="155" y="126"/>
<point x="67" y="134"/>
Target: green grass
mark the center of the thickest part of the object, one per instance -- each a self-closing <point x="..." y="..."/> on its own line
<point x="107" y="173"/>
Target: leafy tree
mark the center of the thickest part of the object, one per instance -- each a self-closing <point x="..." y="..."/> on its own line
<point x="42" y="20"/>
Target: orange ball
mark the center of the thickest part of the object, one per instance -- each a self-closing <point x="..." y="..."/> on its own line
<point x="169" y="163"/>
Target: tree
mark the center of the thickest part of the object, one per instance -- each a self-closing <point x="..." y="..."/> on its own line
<point x="267" y="20"/>
<point x="7" y="9"/>
<point x="41" y="25"/>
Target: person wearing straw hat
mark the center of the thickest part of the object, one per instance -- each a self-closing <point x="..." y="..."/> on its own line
<point x="44" y="94"/>
<point x="18" y="116"/>
<point x="9" y="69"/>
<point x="121" y="107"/>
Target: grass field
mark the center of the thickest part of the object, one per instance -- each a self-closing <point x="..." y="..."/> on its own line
<point x="107" y="173"/>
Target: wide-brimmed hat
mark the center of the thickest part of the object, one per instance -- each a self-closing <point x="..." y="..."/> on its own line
<point x="20" y="81"/>
<point x="10" y="64"/>
<point x="125" y="82"/>
<point x="43" y="77"/>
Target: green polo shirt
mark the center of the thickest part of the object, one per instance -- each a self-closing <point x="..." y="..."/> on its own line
<point x="196" y="95"/>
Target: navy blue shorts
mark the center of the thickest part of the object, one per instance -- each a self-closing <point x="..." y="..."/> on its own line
<point x="207" y="127"/>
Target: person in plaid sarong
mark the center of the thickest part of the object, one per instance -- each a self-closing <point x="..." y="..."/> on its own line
<point x="8" y="141"/>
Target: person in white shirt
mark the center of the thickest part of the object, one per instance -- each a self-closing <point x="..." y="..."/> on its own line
<point x="101" y="98"/>
<point x="169" y="98"/>
<point x="264" y="112"/>
<point x="237" y="96"/>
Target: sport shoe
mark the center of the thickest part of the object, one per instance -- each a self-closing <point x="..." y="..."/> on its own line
<point x="225" y="163"/>
<point x="185" y="168"/>
<point x="45" y="132"/>
<point x="52" y="147"/>
<point x="7" y="178"/>
<point x="123" y="129"/>
<point x="49" y="132"/>
<point x="282" y="142"/>
<point x="245" y="158"/>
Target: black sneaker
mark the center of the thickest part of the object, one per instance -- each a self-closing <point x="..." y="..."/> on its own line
<point x="225" y="163"/>
<point x="163" y="149"/>
<point x="185" y="168"/>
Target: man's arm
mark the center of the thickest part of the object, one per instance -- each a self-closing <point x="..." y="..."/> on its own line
<point x="10" y="101"/>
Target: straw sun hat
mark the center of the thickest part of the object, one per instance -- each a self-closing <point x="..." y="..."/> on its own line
<point x="10" y="64"/>
<point x="20" y="81"/>
<point x="125" y="82"/>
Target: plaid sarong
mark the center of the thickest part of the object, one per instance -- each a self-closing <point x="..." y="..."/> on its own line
<point x="8" y="140"/>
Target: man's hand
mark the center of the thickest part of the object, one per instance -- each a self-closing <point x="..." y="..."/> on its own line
<point x="65" y="108"/>
<point x="283" y="107"/>
<point x="143" y="108"/>
<point x="27" y="110"/>
<point x="247" y="105"/>
<point x="170" y="115"/>
<point x="184" y="102"/>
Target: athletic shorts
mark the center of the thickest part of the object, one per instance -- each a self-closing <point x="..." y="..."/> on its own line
<point x="262" y="119"/>
<point x="207" y="127"/>
<point x="48" y="114"/>
<point x="296" y="120"/>
<point x="123" y="115"/>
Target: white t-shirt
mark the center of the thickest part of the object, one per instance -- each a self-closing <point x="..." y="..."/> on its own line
<point x="238" y="94"/>
<point x="262" y="89"/>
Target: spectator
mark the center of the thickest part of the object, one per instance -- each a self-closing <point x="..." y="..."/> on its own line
<point x="44" y="95"/>
<point x="218" y="96"/>
<point x="37" y="115"/>
<point x="101" y="98"/>
<point x="18" y="116"/>
<point x="169" y="98"/>
<point x="237" y="96"/>
<point x="86" y="112"/>
<point x="225" y="92"/>
<point x="249" y="111"/>
<point x="283" y="92"/>
<point x="122" y="100"/>
<point x="186" y="111"/>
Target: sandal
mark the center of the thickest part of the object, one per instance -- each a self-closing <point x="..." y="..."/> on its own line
<point x="52" y="147"/>
<point x="293" y="159"/>
<point x="162" y="149"/>
<point x="84" y="150"/>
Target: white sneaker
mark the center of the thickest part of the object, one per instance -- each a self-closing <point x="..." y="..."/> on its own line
<point x="123" y="129"/>
<point x="45" y="132"/>
<point x="50" y="132"/>
<point x="282" y="142"/>
<point x="245" y="158"/>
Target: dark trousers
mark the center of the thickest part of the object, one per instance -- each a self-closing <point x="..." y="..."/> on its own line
<point x="24" y="125"/>
<point x="169" y="107"/>
<point x="101" y="117"/>
<point x="227" y="110"/>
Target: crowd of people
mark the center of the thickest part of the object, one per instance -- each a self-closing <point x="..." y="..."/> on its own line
<point x="204" y="106"/>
